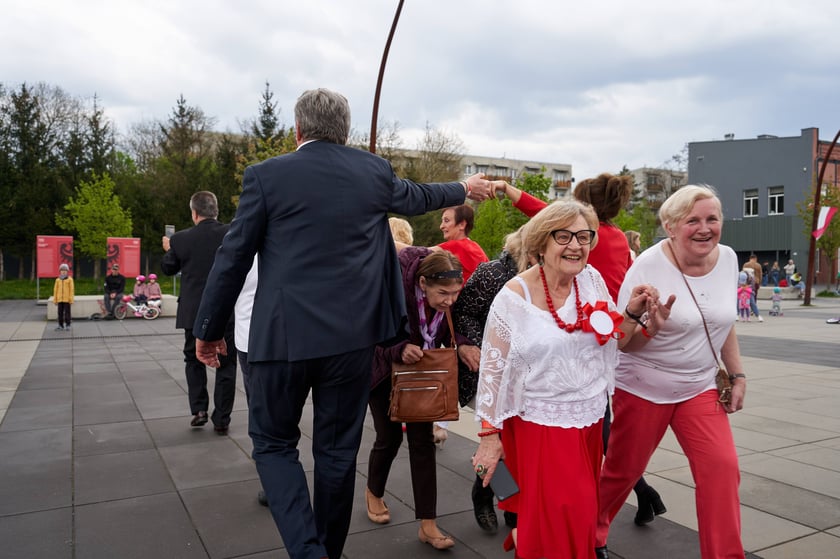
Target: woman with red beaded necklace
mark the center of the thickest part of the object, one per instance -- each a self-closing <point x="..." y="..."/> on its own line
<point x="547" y="362"/>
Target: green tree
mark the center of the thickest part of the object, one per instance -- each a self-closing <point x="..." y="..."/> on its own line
<point x="496" y="218"/>
<point x="640" y="218"/>
<point x="94" y="214"/>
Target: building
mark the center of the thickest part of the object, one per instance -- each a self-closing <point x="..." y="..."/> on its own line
<point x="762" y="182"/>
<point x="497" y="168"/>
<point x="656" y="184"/>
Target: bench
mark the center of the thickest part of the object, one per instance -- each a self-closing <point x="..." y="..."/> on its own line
<point x="766" y="291"/>
<point x="85" y="305"/>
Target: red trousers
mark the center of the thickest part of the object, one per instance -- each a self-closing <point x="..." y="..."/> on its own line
<point x="702" y="429"/>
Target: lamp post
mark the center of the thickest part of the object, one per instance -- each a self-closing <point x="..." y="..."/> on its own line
<point x="812" y="244"/>
<point x="379" y="79"/>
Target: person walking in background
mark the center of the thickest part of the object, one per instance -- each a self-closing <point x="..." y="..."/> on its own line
<point x="456" y="224"/>
<point x="790" y="268"/>
<point x="323" y="302"/>
<point x="744" y="297"/>
<point x="668" y="379"/>
<point x="191" y="252"/>
<point x="63" y="293"/>
<point x="114" y="289"/>
<point x="754" y="269"/>
<point x="634" y="239"/>
<point x="401" y="230"/>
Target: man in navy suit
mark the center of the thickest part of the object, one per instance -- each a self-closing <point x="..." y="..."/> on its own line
<point x="329" y="290"/>
<point x="191" y="252"/>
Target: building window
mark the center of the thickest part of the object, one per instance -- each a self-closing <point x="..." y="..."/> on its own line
<point x="776" y="200"/>
<point x="750" y="203"/>
<point x="468" y="170"/>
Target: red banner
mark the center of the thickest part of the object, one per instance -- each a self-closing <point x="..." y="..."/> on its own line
<point x="124" y="251"/>
<point x="52" y="252"/>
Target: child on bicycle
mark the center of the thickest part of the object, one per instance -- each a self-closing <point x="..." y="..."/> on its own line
<point x="153" y="290"/>
<point x="140" y="292"/>
<point x="776" y="298"/>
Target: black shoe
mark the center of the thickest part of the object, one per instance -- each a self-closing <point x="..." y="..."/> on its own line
<point x="602" y="553"/>
<point x="485" y="513"/>
<point x="261" y="498"/>
<point x="199" y="419"/>
<point x="650" y="505"/>
<point x="221" y="431"/>
<point x="510" y="519"/>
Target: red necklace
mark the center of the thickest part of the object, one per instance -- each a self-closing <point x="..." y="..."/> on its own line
<point x="560" y="324"/>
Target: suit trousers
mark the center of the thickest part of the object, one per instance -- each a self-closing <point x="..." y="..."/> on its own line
<point x="702" y="430"/>
<point x="421" y="453"/>
<point x="224" y="391"/>
<point x="314" y="528"/>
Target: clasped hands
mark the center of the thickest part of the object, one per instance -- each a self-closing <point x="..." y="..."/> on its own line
<point x="644" y="302"/>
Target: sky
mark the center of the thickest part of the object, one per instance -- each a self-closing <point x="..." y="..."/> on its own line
<point x="597" y="85"/>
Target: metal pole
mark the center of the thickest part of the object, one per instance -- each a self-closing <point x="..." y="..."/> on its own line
<point x="812" y="244"/>
<point x="379" y="79"/>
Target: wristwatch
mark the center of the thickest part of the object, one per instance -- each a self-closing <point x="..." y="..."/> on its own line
<point x="737" y="375"/>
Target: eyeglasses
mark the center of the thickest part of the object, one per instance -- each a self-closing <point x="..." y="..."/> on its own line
<point x="564" y="236"/>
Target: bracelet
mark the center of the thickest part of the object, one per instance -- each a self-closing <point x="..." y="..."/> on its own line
<point x="487" y="425"/>
<point x="490" y="432"/>
<point x="737" y="375"/>
<point x="636" y="318"/>
<point x="467" y="188"/>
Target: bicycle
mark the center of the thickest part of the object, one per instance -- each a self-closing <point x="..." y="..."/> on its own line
<point x="148" y="311"/>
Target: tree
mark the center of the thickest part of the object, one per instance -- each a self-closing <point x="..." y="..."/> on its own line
<point x="640" y="218"/>
<point x="95" y="214"/>
<point x="496" y="218"/>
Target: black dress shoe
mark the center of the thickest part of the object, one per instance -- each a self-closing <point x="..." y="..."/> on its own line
<point x="262" y="499"/>
<point x="650" y="505"/>
<point x="199" y="419"/>
<point x="602" y="553"/>
<point x="485" y="512"/>
<point x="221" y="431"/>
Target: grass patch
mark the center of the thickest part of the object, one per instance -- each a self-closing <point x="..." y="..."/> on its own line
<point x="28" y="290"/>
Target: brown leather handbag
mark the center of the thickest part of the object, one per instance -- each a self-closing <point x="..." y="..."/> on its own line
<point x="427" y="390"/>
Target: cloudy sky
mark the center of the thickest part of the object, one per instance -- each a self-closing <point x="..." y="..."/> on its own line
<point x="597" y="84"/>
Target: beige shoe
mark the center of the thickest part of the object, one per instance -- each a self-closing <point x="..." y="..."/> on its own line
<point x="438" y="542"/>
<point x="383" y="515"/>
<point x="440" y="435"/>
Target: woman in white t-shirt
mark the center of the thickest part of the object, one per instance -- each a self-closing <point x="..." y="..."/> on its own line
<point x="669" y="379"/>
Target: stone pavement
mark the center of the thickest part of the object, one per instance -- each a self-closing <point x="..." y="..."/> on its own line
<point x="98" y="459"/>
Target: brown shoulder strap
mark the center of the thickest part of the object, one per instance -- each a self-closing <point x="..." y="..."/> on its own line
<point x="693" y="298"/>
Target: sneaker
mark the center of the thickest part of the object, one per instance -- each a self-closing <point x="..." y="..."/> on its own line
<point x="67" y="327"/>
<point x="59" y="328"/>
<point x="760" y="319"/>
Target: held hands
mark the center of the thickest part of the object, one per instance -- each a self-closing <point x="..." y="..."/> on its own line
<point x="208" y="352"/>
<point x="477" y="187"/>
<point x="470" y="355"/>
<point x="410" y="354"/>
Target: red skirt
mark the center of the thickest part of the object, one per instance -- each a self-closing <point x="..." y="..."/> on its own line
<point x="557" y="471"/>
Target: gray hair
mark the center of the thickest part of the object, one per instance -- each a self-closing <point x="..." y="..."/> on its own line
<point x="204" y="204"/>
<point x="321" y="114"/>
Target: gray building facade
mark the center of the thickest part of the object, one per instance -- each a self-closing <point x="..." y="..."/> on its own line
<point x="760" y="181"/>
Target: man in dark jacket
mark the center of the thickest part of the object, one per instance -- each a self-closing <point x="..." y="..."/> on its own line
<point x="191" y="252"/>
<point x="114" y="289"/>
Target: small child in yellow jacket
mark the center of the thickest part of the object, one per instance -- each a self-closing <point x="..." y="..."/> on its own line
<point x="63" y="292"/>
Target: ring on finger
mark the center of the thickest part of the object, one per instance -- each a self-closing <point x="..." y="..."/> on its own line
<point x="480" y="470"/>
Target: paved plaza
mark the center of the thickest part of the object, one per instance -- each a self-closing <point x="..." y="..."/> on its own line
<point x="98" y="460"/>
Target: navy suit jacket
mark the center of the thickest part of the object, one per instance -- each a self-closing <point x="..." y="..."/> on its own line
<point x="191" y="252"/>
<point x="329" y="278"/>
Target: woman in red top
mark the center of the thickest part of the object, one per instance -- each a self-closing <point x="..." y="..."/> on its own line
<point x="456" y="224"/>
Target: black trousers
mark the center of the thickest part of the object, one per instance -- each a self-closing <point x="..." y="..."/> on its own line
<point x="224" y="391"/>
<point x="316" y="527"/>
<point x="64" y="314"/>
<point x="421" y="453"/>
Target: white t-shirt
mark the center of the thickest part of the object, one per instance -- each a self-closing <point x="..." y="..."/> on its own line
<point x="243" y="307"/>
<point x="532" y="369"/>
<point x="677" y="364"/>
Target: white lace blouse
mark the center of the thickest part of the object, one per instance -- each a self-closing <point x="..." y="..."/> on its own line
<point x="532" y="369"/>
